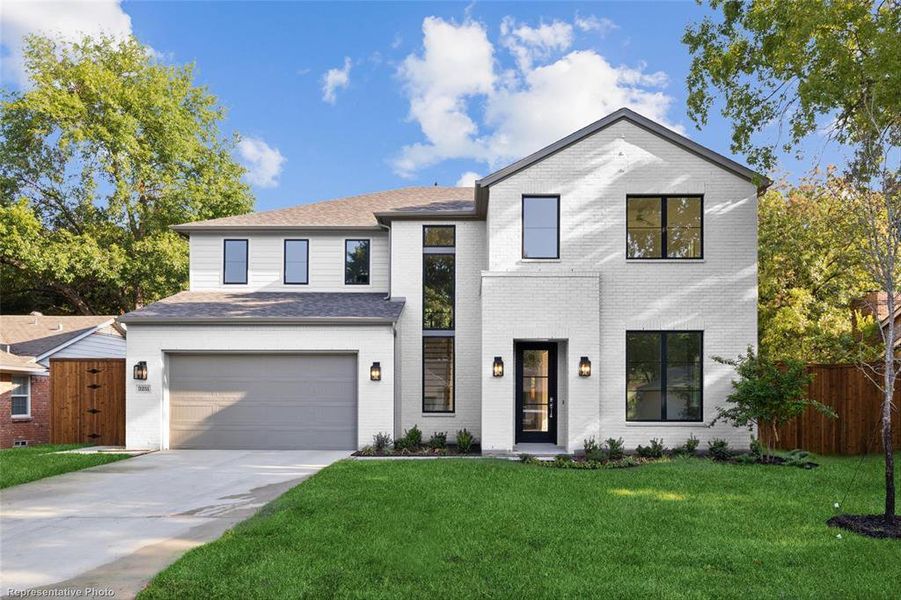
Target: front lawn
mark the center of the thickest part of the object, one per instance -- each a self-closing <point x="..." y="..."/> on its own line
<point x="469" y="528"/>
<point x="21" y="465"/>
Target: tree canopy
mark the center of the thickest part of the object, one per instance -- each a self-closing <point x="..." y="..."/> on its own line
<point x="98" y="158"/>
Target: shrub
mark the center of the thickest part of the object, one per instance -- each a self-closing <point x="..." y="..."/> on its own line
<point x="465" y="440"/>
<point x="527" y="459"/>
<point x="719" y="449"/>
<point x="438" y="440"/>
<point x="589" y="445"/>
<point x="622" y="463"/>
<point x="563" y="458"/>
<point x="414" y="437"/>
<point x="614" y="448"/>
<point x="367" y="451"/>
<point x="757" y="448"/>
<point x="593" y="452"/>
<point x="799" y="458"/>
<point x="689" y="448"/>
<point x="381" y="442"/>
<point x="655" y="450"/>
<point x="401" y="444"/>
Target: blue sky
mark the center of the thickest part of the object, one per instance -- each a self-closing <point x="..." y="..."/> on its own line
<point x="417" y="93"/>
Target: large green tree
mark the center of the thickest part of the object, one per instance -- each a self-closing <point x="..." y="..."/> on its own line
<point x="793" y="68"/>
<point x="99" y="155"/>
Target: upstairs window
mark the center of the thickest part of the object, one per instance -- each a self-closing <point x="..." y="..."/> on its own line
<point x="297" y="262"/>
<point x="663" y="376"/>
<point x="21" y="396"/>
<point x="356" y="262"/>
<point x="664" y="227"/>
<point x="541" y="226"/>
<point x="235" y="263"/>
<point x="438" y="277"/>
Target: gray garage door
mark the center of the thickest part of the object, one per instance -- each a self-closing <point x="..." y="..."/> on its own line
<point x="267" y="402"/>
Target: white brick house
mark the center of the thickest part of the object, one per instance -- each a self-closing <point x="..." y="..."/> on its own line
<point x="624" y="243"/>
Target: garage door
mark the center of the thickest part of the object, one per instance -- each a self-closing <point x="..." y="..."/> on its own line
<point x="267" y="402"/>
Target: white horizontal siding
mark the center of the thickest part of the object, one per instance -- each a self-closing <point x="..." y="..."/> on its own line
<point x="266" y="262"/>
<point x="96" y="345"/>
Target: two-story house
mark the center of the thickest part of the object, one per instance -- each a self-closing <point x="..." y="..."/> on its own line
<point x="580" y="292"/>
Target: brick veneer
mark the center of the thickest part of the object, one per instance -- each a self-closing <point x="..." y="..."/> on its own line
<point x="36" y="429"/>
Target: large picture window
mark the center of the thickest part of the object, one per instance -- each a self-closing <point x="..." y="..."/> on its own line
<point x="235" y="262"/>
<point x="664" y="379"/>
<point x="664" y="227"/>
<point x="20" y="398"/>
<point x="541" y="227"/>
<point x="356" y="262"/>
<point x="297" y="262"/>
<point x="438" y="374"/>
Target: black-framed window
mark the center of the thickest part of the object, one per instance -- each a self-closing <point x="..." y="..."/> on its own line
<point x="664" y="376"/>
<point x="665" y="227"/>
<point x="438" y="374"/>
<point x="234" y="263"/>
<point x="297" y="262"/>
<point x="541" y="226"/>
<point x="356" y="262"/>
<point x="438" y="277"/>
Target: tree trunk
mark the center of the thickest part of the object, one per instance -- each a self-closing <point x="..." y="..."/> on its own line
<point x="888" y="390"/>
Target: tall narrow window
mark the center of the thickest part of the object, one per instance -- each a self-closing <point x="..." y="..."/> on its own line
<point x="438" y="374"/>
<point x="438" y="289"/>
<point x="356" y="262"/>
<point x="297" y="262"/>
<point x="664" y="381"/>
<point x="20" y="397"/>
<point x="664" y="227"/>
<point x="235" y="262"/>
<point x="541" y="226"/>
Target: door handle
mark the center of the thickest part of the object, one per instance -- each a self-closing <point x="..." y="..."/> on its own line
<point x="551" y="408"/>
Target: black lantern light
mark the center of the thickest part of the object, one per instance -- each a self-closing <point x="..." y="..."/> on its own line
<point x="584" y="367"/>
<point x="497" y="367"/>
<point x="375" y="372"/>
<point x="140" y="371"/>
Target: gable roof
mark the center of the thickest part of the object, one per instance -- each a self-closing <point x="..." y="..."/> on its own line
<point x="269" y="307"/>
<point x="19" y="364"/>
<point x="636" y="119"/>
<point x="39" y="335"/>
<point x="353" y="212"/>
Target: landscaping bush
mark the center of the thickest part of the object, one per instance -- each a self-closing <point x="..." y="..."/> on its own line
<point x="401" y="444"/>
<point x="465" y="440"/>
<point x="381" y="442"/>
<point x="414" y="437"/>
<point x="718" y="449"/>
<point x="614" y="448"/>
<point x="655" y="450"/>
<point x="438" y="441"/>
<point x="527" y="459"/>
<point x="689" y="448"/>
<point x="367" y="451"/>
<point x="593" y="452"/>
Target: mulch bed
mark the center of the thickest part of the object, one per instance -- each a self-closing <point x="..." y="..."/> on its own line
<point x="874" y="526"/>
<point x="450" y="450"/>
<point x="779" y="461"/>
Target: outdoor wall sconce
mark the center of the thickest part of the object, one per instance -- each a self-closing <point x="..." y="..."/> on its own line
<point x="497" y="368"/>
<point x="140" y="371"/>
<point x="375" y="372"/>
<point x="584" y="367"/>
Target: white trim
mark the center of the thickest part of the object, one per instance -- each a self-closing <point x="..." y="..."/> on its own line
<point x="77" y="338"/>
<point x="27" y="396"/>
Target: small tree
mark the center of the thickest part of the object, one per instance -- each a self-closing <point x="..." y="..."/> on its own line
<point x="767" y="394"/>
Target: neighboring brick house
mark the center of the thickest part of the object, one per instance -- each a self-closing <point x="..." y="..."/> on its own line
<point x="580" y="292"/>
<point x="27" y="344"/>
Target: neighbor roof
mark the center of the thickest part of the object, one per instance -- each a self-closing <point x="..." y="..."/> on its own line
<point x="19" y="364"/>
<point x="351" y="212"/>
<point x="253" y="307"/>
<point x="36" y="334"/>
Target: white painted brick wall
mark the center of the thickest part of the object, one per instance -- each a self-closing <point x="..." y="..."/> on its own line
<point x="146" y="424"/>
<point x="717" y="295"/>
<point x="406" y="281"/>
<point x="266" y="261"/>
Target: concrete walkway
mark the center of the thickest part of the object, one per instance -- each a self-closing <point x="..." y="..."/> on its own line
<point x="117" y="525"/>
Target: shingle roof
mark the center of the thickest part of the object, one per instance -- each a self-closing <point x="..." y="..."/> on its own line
<point x="11" y="362"/>
<point x="34" y="335"/>
<point x="353" y="211"/>
<point x="199" y="307"/>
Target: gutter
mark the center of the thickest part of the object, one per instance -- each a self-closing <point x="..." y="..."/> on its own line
<point x="137" y="320"/>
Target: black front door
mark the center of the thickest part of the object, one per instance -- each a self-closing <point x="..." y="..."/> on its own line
<point x="536" y="392"/>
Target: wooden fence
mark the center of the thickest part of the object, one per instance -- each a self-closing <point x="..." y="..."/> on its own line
<point x="858" y="403"/>
<point x="87" y="401"/>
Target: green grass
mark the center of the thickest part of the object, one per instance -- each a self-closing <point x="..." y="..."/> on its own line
<point x="462" y="528"/>
<point x="21" y="465"/>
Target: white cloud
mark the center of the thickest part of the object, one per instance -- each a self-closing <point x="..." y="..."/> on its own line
<point x="470" y="107"/>
<point x="65" y="21"/>
<point x="263" y="162"/>
<point x="602" y="25"/>
<point x="468" y="179"/>
<point x="335" y="79"/>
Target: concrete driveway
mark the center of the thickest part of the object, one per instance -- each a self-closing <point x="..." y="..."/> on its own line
<point x="117" y="525"/>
